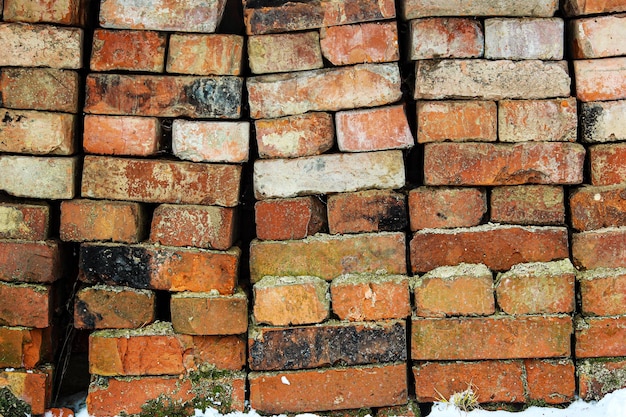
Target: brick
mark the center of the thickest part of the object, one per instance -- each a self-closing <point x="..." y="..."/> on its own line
<point x="367" y="211"/>
<point x="163" y="15"/>
<point x="422" y="8"/>
<point x="439" y="121"/>
<point x="607" y="164"/>
<point x="221" y="352"/>
<point x="34" y="262"/>
<point x="584" y="7"/>
<point x="524" y="38"/>
<point x="600" y="336"/>
<point x="373" y="129"/>
<point x="371" y="297"/>
<point x="189" y="225"/>
<point x="438" y="37"/>
<point x="284" y="52"/>
<point x="164" y="96"/>
<point x="211" y="141"/>
<point x="357" y="44"/>
<point x="213" y="54"/>
<point x="598" y="37"/>
<point x="498" y="247"/>
<point x="328" y="344"/>
<point x="603" y="121"/>
<point x="602" y="248"/>
<point x="491" y="80"/>
<point x="537" y="120"/>
<point x="537" y="288"/>
<point x="326" y="174"/>
<point x="289" y="218"/>
<point x="40" y="89"/>
<point x="64" y="12"/>
<point x="161" y="181"/>
<point x="35" y="305"/>
<point x="116" y="307"/>
<point x="35" y="132"/>
<point x="603" y="291"/>
<point x="209" y="314"/>
<point x="23" y="348"/>
<point x="552" y="382"/>
<point x="431" y="207"/>
<point x="284" y="301"/>
<point x="50" y="178"/>
<point x="121" y="135"/>
<point x="600" y="79"/>
<point x="327" y="256"/>
<point x="24" y="221"/>
<point x="270" y="17"/>
<point x="295" y="136"/>
<point x="354" y="387"/>
<point x="600" y="377"/>
<point x="462" y="290"/>
<point x="528" y="204"/>
<point x="598" y="207"/>
<point x="32" y="386"/>
<point x="26" y="45"/>
<point x="330" y="89"/>
<point x="88" y="220"/>
<point x="160" y="267"/>
<point x="60" y="412"/>
<point x="128" y="50"/>
<point x="503" y="164"/>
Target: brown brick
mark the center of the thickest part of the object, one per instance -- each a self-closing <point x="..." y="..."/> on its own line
<point x="34" y="262"/>
<point x="36" y="133"/>
<point x="24" y="221"/>
<point x="40" y="89"/>
<point x="285" y="52"/>
<point x="602" y="121"/>
<point x="584" y="7"/>
<point x="431" y="207"/>
<point x="600" y="377"/>
<point x="598" y="207"/>
<point x="63" y="12"/>
<point x="121" y="135"/>
<point x="456" y="121"/>
<point x="357" y="44"/>
<point x="603" y="291"/>
<point x="214" y="54"/>
<point x="367" y="211"/>
<point x="524" y="38"/>
<point x="600" y="79"/>
<point x="290" y="218"/>
<point x="438" y="37"/>
<point x="35" y="305"/>
<point x="51" y="178"/>
<point x="209" y="141"/>
<point x="421" y="8"/>
<point x="598" y="37"/>
<point x="602" y="248"/>
<point x="23" y="348"/>
<point x="32" y="386"/>
<point x="128" y="50"/>
<point x="600" y="337"/>
<point x="607" y="164"/>
<point x="537" y="120"/>
<point x="528" y="204"/>
<point x="552" y="382"/>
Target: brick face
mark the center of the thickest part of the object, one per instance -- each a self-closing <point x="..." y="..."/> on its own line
<point x="431" y="207"/>
<point x="421" y="8"/>
<point x="524" y="39"/>
<point x="37" y="133"/>
<point x="40" y="89"/>
<point x="214" y="54"/>
<point x="121" y="135"/>
<point x="284" y="52"/>
<point x="446" y="38"/>
<point x="127" y="50"/>
<point x="600" y="79"/>
<point x="356" y="44"/>
<point x="24" y="221"/>
<point x="43" y="177"/>
<point x="438" y="121"/>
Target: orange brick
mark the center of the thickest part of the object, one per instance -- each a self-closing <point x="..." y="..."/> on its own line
<point x="552" y="382"/>
<point x="458" y="121"/>
<point x="63" y="12"/>
<point x="24" y="221"/>
<point x="289" y="218"/>
<point x="214" y="54"/>
<point x="584" y="7"/>
<point x="36" y="132"/>
<point x="600" y="377"/>
<point x="34" y="301"/>
<point x="367" y="211"/>
<point x="23" y="348"/>
<point x="528" y="204"/>
<point x="127" y="50"/>
<point x="603" y="291"/>
<point x="40" y="89"/>
<point x="34" y="262"/>
<point x="221" y="352"/>
<point x="537" y="120"/>
<point x="356" y="44"/>
<point x="431" y="207"/>
<point x="602" y="248"/>
<point x="209" y="314"/>
<point x="121" y="135"/>
<point x="208" y="141"/>
<point x="600" y="79"/>
<point x="59" y="412"/>
<point x="607" y="164"/>
<point x="598" y="207"/>
<point x="44" y="177"/>
<point x="285" y="52"/>
<point x="32" y="386"/>
<point x="600" y="337"/>
<point x="437" y="37"/>
<point x="598" y="37"/>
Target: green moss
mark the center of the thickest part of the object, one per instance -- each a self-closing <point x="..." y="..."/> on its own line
<point x="10" y="405"/>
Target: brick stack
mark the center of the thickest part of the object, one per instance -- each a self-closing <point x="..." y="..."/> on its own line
<point x="598" y="210"/>
<point x="41" y="48"/>
<point x="498" y="125"/>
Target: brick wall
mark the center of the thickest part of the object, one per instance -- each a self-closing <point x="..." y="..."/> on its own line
<point x="312" y="206"/>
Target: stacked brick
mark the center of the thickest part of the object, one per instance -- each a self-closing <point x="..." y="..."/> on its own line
<point x="598" y="210"/>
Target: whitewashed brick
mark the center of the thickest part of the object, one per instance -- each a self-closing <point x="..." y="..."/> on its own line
<point x="51" y="178"/>
<point x="440" y="37"/>
<point x="423" y="8"/>
<point x="537" y="120"/>
<point x="603" y="121"/>
<point x="524" y="39"/>
<point x="211" y="141"/>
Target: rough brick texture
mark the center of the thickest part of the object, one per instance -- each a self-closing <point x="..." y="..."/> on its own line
<point x="528" y="204"/>
<point x="438" y="121"/>
<point x="289" y="218"/>
<point x="24" y="221"/>
<point x="127" y="50"/>
<point x="40" y="89"/>
<point x="446" y="38"/>
<point x="121" y="135"/>
<point x="603" y="291"/>
<point x="366" y="211"/>
<point x="421" y="8"/>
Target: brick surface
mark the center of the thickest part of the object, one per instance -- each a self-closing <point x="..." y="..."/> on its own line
<point x="32" y="386"/>
<point x="603" y="121"/>
<point x="552" y="382"/>
<point x="211" y="141"/>
<point x="154" y="181"/>
<point x="598" y="37"/>
<point x="221" y="352"/>
<point x="40" y="89"/>
<point x="356" y="44"/>
<point x="37" y="133"/>
<point x="438" y="37"/>
<point x="528" y="204"/>
<point x="34" y="262"/>
<point x="597" y="207"/>
<point x="35" y="305"/>
<point x="209" y="314"/>
<point x="60" y="412"/>
<point x="421" y="8"/>
<point x="367" y="211"/>
<point x="38" y="177"/>
<point x="524" y="38"/>
<point x="603" y="291"/>
<point x="289" y="218"/>
<point x="24" y="221"/>
<point x="602" y="248"/>
<point x="214" y="54"/>
<point x="23" y="348"/>
<point x="363" y="85"/>
<point x="128" y="50"/>
<point x="607" y="164"/>
<point x="498" y="247"/>
<point x="121" y="135"/>
<point x="600" y="377"/>
<point x="431" y="207"/>
<point x="600" y="79"/>
<point x="537" y="120"/>
<point x="64" y="12"/>
<point x="284" y="52"/>
<point x="600" y="337"/>
<point x="439" y="121"/>
<point x="584" y="7"/>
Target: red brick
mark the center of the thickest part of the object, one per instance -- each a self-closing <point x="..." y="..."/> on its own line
<point x="208" y="141"/>
<point x="285" y="52"/>
<point x="421" y="8"/>
<point x="64" y="12"/>
<point x="32" y="386"/>
<point x="116" y="221"/>
<point x="34" y="262"/>
<point x="600" y="79"/>
<point x="40" y="89"/>
<point x="127" y="50"/>
<point x="598" y="207"/>
<point x="121" y="135"/>
<point x="37" y="133"/>
<point x="435" y="38"/>
<point x="24" y="221"/>
<point x="371" y="386"/>
<point x="51" y="178"/>
<point x="584" y="7"/>
<point x="503" y="164"/>
<point x="600" y="337"/>
<point x="600" y="377"/>
<point x="209" y="314"/>
<point x="524" y="38"/>
<point x="498" y="247"/>
<point x="457" y="121"/>
<point x="552" y="382"/>
<point x="356" y="44"/>
<point x="537" y="120"/>
<point x="602" y="121"/>
<point x="528" y="204"/>
<point x="155" y="181"/>
<point x="35" y="305"/>
<point x="205" y="54"/>
<point x="598" y="37"/>
<point x="367" y="211"/>
<point x="607" y="164"/>
<point x="602" y="248"/>
<point x="289" y="218"/>
<point x="221" y="352"/>
<point x="23" y="348"/>
<point x="431" y="207"/>
<point x="603" y="292"/>
<point x="59" y="412"/>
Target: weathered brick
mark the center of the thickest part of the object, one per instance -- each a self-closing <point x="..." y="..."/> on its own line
<point x="373" y="129"/>
<point x="38" y="177"/>
<point x="598" y="37"/>
<point x="602" y="248"/>
<point x="499" y="337"/>
<point x="537" y="120"/>
<point x="462" y="290"/>
<point x="357" y="44"/>
<point x="35" y="305"/>
<point x="439" y="121"/>
<point x="358" y="297"/>
<point x="285" y="52"/>
<point x="498" y="247"/>
<point x="352" y="387"/>
<point x="584" y="7"/>
<point x="431" y="207"/>
<point x="199" y="313"/>
<point x="163" y="15"/>
<point x="214" y="54"/>
<point x="367" y="211"/>
<point x="34" y="262"/>
<point x="40" y="89"/>
<point x="600" y="79"/>
<point x="552" y="382"/>
<point x="64" y="12"/>
<point x="603" y="291"/>
<point x="289" y="218"/>
<point x="598" y="207"/>
<point x="60" y="412"/>
<point x="421" y="8"/>
<point x="600" y="377"/>
<point x="439" y="37"/>
<point x="211" y="141"/>
<point x="537" y="288"/>
<point x="32" y="386"/>
<point x="528" y="204"/>
<point x="24" y="221"/>
<point x="26" y="45"/>
<point x="491" y="80"/>
<point x="328" y="344"/>
<point x="295" y="136"/>
<point x="164" y="96"/>
<point x="503" y="164"/>
<point x="160" y="181"/>
<point x="607" y="164"/>
<point x="363" y="85"/>
<point x="121" y="135"/>
<point x="524" y="38"/>
<point x="326" y="174"/>
<point x="37" y="133"/>
<point x="128" y="50"/>
<point x="221" y="352"/>
<point x="23" y="348"/>
<point x="113" y="307"/>
<point x="200" y="226"/>
<point x="603" y="121"/>
<point x="600" y="337"/>
<point x="283" y="301"/>
<point x="160" y="267"/>
<point x="328" y="256"/>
